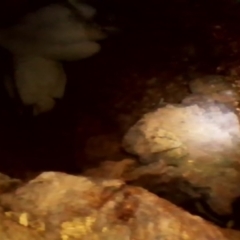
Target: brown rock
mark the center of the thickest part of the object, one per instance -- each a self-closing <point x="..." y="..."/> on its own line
<point x="209" y="84"/>
<point x="7" y="183"/>
<point x="214" y="88"/>
<point x="60" y="206"/>
<point x="193" y="145"/>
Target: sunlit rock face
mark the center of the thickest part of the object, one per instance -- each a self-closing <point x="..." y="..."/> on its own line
<point x="41" y="39"/>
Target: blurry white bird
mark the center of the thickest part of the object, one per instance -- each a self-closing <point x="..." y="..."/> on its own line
<point x="39" y="41"/>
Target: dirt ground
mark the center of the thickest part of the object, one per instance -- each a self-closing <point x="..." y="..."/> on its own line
<point x="158" y="49"/>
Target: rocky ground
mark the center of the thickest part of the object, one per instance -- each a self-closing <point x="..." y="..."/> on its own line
<point x="149" y="63"/>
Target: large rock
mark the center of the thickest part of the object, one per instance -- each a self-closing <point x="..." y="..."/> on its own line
<point x="60" y="206"/>
<point x="197" y="142"/>
<point x="38" y="41"/>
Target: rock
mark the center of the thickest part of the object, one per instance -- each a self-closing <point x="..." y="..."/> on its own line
<point x="7" y="183"/>
<point x="114" y="170"/>
<point x="194" y="146"/>
<point x="209" y="84"/>
<point x="214" y="88"/>
<point x="60" y="206"/>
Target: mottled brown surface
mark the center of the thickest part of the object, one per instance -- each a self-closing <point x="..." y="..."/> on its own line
<point x="200" y="143"/>
<point x="60" y="206"/>
<point x="161" y="48"/>
<point x="214" y="88"/>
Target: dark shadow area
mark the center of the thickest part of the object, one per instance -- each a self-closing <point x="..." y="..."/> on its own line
<point x="156" y="40"/>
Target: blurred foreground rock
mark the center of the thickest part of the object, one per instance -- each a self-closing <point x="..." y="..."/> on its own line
<point x="193" y="147"/>
<point x="59" y="206"/>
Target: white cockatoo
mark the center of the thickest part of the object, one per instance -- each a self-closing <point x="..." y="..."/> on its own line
<point x="40" y="41"/>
